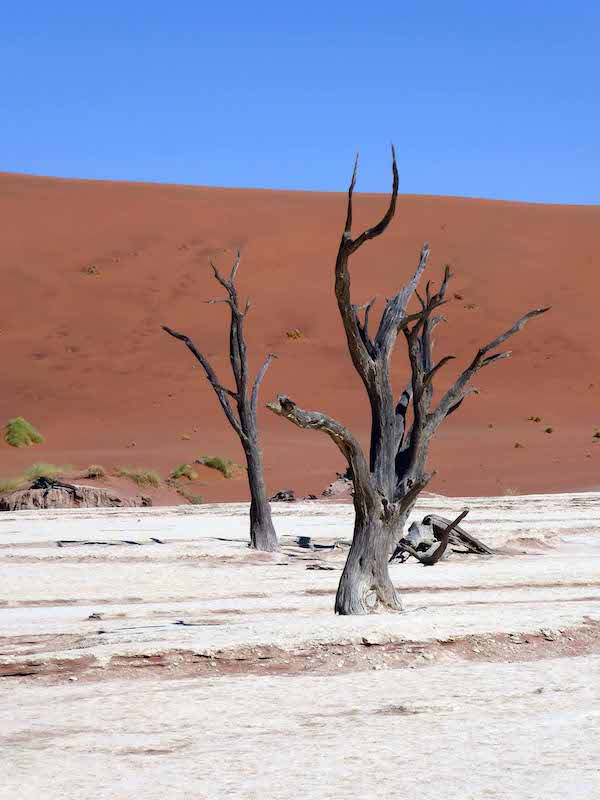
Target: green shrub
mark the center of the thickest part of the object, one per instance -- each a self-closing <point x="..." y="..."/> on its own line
<point x="192" y="497"/>
<point x="93" y="472"/>
<point x="20" y="433"/>
<point x="224" y="465"/>
<point x="143" y="477"/>
<point x="10" y="485"/>
<point x="184" y="471"/>
<point x="51" y="471"/>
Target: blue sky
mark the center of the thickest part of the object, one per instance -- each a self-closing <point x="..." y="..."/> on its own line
<point x="483" y="99"/>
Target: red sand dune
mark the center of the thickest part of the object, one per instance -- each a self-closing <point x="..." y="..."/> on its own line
<point x="84" y="359"/>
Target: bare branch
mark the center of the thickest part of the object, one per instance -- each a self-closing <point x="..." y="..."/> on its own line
<point x="376" y="230"/>
<point x="226" y="284"/>
<point x="471" y="390"/>
<point x="236" y="264"/>
<point x="344" y="440"/>
<point x="228" y="391"/>
<point x="258" y="379"/>
<point x="429" y="561"/>
<point x="394" y="315"/>
<point x="232" y="305"/>
<point x="454" y="396"/>
<point x="359" y="343"/>
<point x="429" y="377"/>
<point x="348" y="226"/>
<point x="413" y="492"/>
<point x="212" y="377"/>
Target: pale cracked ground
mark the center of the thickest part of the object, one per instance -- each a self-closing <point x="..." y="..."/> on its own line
<point x="489" y="685"/>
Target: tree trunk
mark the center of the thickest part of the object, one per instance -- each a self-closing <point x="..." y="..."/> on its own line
<point x="365" y="582"/>
<point x="262" y="532"/>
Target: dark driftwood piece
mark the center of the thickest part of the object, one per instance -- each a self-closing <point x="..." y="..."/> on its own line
<point x="388" y="484"/>
<point x="459" y="535"/>
<point x="457" y="538"/>
<point x="245" y="396"/>
<point x="428" y="559"/>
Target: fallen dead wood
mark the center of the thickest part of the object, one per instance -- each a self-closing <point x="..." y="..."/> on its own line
<point x="110" y="543"/>
<point x="459" y="535"/>
<point x="427" y="541"/>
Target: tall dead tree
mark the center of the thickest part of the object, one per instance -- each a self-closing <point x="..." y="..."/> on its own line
<point x="388" y="484"/>
<point x="244" y="423"/>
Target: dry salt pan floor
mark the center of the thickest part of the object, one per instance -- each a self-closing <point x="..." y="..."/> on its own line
<point x="148" y="653"/>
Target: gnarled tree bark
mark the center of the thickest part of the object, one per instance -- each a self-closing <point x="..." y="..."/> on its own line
<point x="387" y="486"/>
<point x="244" y="423"/>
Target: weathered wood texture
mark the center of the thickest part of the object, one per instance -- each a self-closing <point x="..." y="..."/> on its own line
<point x="387" y="486"/>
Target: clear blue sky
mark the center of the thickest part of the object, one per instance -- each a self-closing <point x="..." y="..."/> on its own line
<point x="485" y="98"/>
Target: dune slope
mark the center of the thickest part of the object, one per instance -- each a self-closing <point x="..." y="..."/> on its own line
<point x="90" y="270"/>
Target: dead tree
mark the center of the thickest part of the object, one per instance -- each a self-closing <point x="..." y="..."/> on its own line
<point x="387" y="486"/>
<point x="244" y="423"/>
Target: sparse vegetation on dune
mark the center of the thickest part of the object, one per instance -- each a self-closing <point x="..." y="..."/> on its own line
<point x="193" y="497"/>
<point x="93" y="472"/>
<point x="184" y="471"/>
<point x="10" y="485"/>
<point x="52" y="471"/>
<point x="295" y="333"/>
<point x="20" y="433"/>
<point x="142" y="477"/>
<point x="223" y="465"/>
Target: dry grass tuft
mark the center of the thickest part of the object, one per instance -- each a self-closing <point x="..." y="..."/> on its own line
<point x="20" y="433"/>
<point x="10" y="485"/>
<point x="51" y="471"/>
<point x="93" y="472"/>
<point x="143" y="477"/>
<point x="223" y="465"/>
<point x="184" y="471"/>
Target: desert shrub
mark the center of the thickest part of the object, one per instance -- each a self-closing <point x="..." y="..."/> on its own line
<point x="10" y="485"/>
<point x="143" y="477"/>
<point x="93" y="472"/>
<point x="295" y="333"/>
<point x="20" y="433"/>
<point x="184" y="471"/>
<point x="52" y="471"/>
<point x="548" y="430"/>
<point x="192" y="497"/>
<point x="90" y="269"/>
<point x="596" y="435"/>
<point x="224" y="465"/>
<point x="534" y="419"/>
<point x="510" y="491"/>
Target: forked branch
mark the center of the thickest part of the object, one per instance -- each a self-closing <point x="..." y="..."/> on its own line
<point x="456" y="394"/>
<point x="221" y="391"/>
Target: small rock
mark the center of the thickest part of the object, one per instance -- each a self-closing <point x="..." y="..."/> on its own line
<point x="72" y="678"/>
<point x="550" y="635"/>
<point x="284" y="496"/>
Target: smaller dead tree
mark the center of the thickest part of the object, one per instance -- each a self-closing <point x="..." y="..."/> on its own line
<point x="244" y="423"/>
